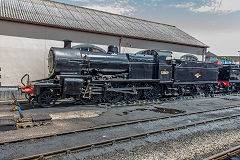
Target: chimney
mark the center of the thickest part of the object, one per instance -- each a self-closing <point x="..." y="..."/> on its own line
<point x="67" y="43"/>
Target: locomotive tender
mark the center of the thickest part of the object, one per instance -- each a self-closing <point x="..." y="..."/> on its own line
<point x="91" y="77"/>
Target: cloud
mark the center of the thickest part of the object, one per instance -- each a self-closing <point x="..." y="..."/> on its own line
<point x="220" y="6"/>
<point x="212" y="6"/>
<point x="80" y="0"/>
<point x="185" y="5"/>
<point x="120" y="7"/>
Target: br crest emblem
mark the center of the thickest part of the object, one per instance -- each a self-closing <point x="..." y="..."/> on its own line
<point x="197" y="75"/>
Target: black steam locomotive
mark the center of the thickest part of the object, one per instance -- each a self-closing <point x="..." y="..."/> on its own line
<point x="95" y="76"/>
<point x="229" y="77"/>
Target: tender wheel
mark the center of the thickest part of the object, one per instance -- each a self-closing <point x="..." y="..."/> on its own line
<point x="113" y="97"/>
<point x="181" y="91"/>
<point x="212" y="90"/>
<point x="47" y="99"/>
<point x="152" y="93"/>
<point x="226" y="89"/>
<point x="232" y="88"/>
<point x="133" y="97"/>
<point x="209" y="90"/>
<point x="194" y="90"/>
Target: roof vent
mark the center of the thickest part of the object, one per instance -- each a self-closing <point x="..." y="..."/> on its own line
<point x="67" y="43"/>
<point x="112" y="49"/>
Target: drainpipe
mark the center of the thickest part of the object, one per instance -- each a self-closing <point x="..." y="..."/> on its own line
<point x="120" y="45"/>
<point x="203" y="54"/>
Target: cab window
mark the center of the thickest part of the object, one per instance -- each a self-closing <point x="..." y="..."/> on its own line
<point x="89" y="49"/>
<point x="96" y="50"/>
<point x="84" y="49"/>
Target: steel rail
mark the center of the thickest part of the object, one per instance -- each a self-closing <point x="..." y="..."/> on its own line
<point x="224" y="155"/>
<point x="116" y="125"/>
<point x="160" y="100"/>
<point x="120" y="139"/>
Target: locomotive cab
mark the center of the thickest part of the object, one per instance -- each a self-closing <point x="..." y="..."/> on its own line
<point x="165" y="66"/>
<point x="157" y="65"/>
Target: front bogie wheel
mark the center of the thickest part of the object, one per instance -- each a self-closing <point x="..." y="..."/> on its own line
<point x="47" y="99"/>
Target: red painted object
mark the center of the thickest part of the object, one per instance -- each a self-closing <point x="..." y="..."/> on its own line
<point x="226" y="83"/>
<point x="27" y="89"/>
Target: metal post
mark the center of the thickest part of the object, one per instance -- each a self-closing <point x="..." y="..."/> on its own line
<point x="203" y="54"/>
<point x="120" y="45"/>
<point x="239" y="57"/>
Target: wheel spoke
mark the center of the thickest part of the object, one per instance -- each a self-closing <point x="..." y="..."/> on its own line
<point x="152" y="93"/>
<point x="113" y="97"/>
<point x="47" y="99"/>
<point x="93" y="99"/>
<point x="133" y="97"/>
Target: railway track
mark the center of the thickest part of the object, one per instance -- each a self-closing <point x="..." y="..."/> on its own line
<point x="160" y="100"/>
<point x="231" y="154"/>
<point x="119" y="139"/>
<point x="129" y="124"/>
<point x="117" y="125"/>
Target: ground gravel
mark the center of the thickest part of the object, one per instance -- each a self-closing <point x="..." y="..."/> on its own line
<point x="192" y="143"/>
<point x="69" y="117"/>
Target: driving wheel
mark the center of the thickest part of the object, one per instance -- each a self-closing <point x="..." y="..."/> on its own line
<point x="152" y="93"/>
<point x="133" y="97"/>
<point x="113" y="97"/>
<point x="89" y="100"/>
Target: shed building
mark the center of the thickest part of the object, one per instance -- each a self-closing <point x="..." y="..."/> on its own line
<point x="28" y="28"/>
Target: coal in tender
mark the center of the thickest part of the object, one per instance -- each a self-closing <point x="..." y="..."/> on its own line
<point x="7" y="123"/>
<point x="166" y="110"/>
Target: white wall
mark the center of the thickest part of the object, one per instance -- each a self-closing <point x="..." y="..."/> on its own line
<point x="19" y="56"/>
<point x="24" y="48"/>
<point x="177" y="55"/>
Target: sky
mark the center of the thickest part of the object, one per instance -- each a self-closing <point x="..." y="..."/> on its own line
<point x="214" y="22"/>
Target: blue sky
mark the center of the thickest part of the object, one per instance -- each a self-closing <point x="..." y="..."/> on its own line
<point x="214" y="22"/>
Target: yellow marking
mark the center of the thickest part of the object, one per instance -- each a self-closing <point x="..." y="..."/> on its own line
<point x="164" y="72"/>
<point x="15" y="108"/>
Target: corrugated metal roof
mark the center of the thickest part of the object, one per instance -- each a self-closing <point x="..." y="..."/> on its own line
<point x="61" y="15"/>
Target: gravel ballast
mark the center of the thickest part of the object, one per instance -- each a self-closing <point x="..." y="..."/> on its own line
<point x="192" y="143"/>
<point x="183" y="144"/>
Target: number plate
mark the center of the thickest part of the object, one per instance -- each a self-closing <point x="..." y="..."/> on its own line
<point x="164" y="72"/>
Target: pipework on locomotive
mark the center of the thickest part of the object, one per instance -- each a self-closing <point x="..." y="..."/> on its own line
<point x="91" y="75"/>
